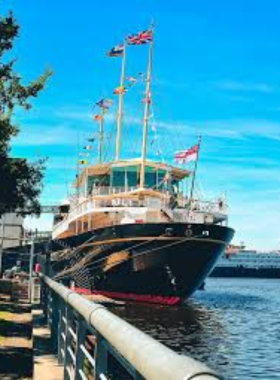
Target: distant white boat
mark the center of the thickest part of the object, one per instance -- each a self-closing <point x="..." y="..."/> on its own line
<point x="238" y="261"/>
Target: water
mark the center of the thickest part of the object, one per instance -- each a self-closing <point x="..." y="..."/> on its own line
<point x="233" y="326"/>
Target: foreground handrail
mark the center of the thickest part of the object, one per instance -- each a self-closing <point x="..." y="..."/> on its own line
<point x="151" y="359"/>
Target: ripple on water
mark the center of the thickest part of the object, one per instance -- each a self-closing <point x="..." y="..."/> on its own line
<point x="233" y="326"/>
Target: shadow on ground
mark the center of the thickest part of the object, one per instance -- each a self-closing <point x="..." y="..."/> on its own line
<point x="15" y="307"/>
<point x="42" y="343"/>
<point x="16" y="355"/>
<point x="11" y="329"/>
<point x="15" y="363"/>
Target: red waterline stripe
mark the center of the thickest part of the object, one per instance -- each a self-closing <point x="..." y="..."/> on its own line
<point x="163" y="300"/>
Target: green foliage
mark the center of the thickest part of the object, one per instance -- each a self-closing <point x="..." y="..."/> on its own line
<point x="21" y="181"/>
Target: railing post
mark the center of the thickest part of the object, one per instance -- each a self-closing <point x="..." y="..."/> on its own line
<point x="67" y="341"/>
<point x="55" y="320"/>
<point x="44" y="297"/>
<point x="81" y="337"/>
<point x="60" y="340"/>
<point x="101" y="358"/>
<point x="49" y="308"/>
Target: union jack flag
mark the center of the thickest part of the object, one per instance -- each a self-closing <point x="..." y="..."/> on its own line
<point x="140" y="38"/>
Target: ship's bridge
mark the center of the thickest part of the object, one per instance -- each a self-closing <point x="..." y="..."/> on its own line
<point x="125" y="175"/>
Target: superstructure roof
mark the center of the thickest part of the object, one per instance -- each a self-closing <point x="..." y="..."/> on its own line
<point x="103" y="169"/>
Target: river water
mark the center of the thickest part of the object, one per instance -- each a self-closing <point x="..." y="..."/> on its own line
<point x="233" y="326"/>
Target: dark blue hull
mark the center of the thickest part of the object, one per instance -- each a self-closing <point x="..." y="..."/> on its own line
<point x="158" y="262"/>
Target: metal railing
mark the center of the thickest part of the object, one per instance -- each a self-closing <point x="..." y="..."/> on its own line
<point x="197" y="207"/>
<point x="110" y="190"/>
<point x="93" y="343"/>
<point x="90" y="205"/>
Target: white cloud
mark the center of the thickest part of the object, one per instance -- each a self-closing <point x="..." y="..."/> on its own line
<point x="229" y="161"/>
<point x="241" y="129"/>
<point x="73" y="113"/>
<point x="43" y="223"/>
<point x="237" y="129"/>
<point x="256" y="221"/>
<point x="64" y="163"/>
<point x="240" y="86"/>
<point x="37" y="135"/>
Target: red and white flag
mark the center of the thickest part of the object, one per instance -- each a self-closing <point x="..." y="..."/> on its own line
<point x="188" y="155"/>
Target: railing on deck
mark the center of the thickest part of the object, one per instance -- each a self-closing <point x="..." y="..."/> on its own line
<point x="91" y="204"/>
<point x="108" y="190"/>
<point x="93" y="343"/>
<point x="181" y="202"/>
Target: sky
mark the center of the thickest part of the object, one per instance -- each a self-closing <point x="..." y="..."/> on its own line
<point x="216" y="72"/>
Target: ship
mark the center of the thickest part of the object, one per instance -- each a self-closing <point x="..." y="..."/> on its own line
<point x="131" y="231"/>
<point x="237" y="261"/>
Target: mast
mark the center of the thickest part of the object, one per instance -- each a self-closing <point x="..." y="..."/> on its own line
<point x="195" y="170"/>
<point x="101" y="136"/>
<point x="147" y="111"/>
<point x="121" y="99"/>
<point x="77" y="178"/>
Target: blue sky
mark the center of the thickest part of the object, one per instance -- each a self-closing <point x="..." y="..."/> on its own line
<point x="216" y="72"/>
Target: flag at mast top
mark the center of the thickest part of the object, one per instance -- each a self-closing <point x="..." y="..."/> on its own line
<point x="104" y="103"/>
<point x="187" y="155"/>
<point x="116" y="51"/>
<point x="141" y="38"/>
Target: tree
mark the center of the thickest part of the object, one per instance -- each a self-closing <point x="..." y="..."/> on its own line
<point x="20" y="181"/>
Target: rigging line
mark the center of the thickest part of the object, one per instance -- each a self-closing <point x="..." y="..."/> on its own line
<point x="77" y="275"/>
<point x="66" y="178"/>
<point x="84" y="273"/>
<point x="75" y="251"/>
<point x="84" y="285"/>
<point x="107" y="138"/>
<point x="146" y="252"/>
<point x="156" y="136"/>
<point x="83" y="276"/>
<point x="110" y="147"/>
<point x="149" y="251"/>
<point x="73" y="261"/>
<point x="81" y="265"/>
<point x="175" y="137"/>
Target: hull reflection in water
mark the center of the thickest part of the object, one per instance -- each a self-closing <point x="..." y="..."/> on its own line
<point x="221" y="326"/>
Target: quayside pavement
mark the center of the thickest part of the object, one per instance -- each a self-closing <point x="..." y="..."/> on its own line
<point x="25" y="345"/>
<point x="45" y="359"/>
<point x="16" y="356"/>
